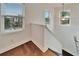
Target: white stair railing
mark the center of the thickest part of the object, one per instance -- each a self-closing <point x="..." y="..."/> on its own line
<point x="76" y="44"/>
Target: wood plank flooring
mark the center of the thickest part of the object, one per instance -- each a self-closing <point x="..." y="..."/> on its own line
<point x="28" y="49"/>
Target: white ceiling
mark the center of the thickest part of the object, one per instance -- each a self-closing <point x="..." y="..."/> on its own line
<point x="49" y="4"/>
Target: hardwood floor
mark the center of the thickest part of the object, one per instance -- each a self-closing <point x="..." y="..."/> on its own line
<point x="28" y="49"/>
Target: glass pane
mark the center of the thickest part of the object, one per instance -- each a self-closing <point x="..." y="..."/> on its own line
<point x="12" y="9"/>
<point x="46" y="15"/>
<point x="13" y="22"/>
<point x="65" y="17"/>
<point x="65" y="13"/>
<point x="65" y="21"/>
<point x="7" y="22"/>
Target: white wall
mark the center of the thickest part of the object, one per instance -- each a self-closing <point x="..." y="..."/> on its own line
<point x="38" y="35"/>
<point x="65" y="33"/>
<point x="34" y="13"/>
<point x="36" y="16"/>
<point x="51" y="41"/>
<point x="10" y="40"/>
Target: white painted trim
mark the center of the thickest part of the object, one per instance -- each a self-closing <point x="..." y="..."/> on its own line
<point x="12" y="31"/>
<point x="69" y="52"/>
<point x="13" y="45"/>
<point x="43" y="49"/>
<point x="67" y="16"/>
<point x="20" y="43"/>
<point x="3" y="31"/>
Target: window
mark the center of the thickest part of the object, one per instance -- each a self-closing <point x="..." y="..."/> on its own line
<point x="12" y="16"/>
<point x="12" y="22"/>
<point x="46" y="16"/>
<point x="65" y="18"/>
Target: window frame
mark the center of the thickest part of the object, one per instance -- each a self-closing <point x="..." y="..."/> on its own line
<point x="2" y="20"/>
<point x="47" y="16"/>
<point x="69" y="17"/>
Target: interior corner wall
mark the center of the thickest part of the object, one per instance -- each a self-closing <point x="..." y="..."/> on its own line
<point x="36" y="15"/>
<point x="33" y="13"/>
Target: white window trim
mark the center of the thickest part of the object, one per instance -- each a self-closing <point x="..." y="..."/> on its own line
<point x="60" y="19"/>
<point x="2" y="21"/>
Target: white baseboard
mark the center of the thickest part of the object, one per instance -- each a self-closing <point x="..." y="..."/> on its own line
<point x="69" y="51"/>
<point x="13" y="46"/>
<point x="20" y="43"/>
<point x="43" y="49"/>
